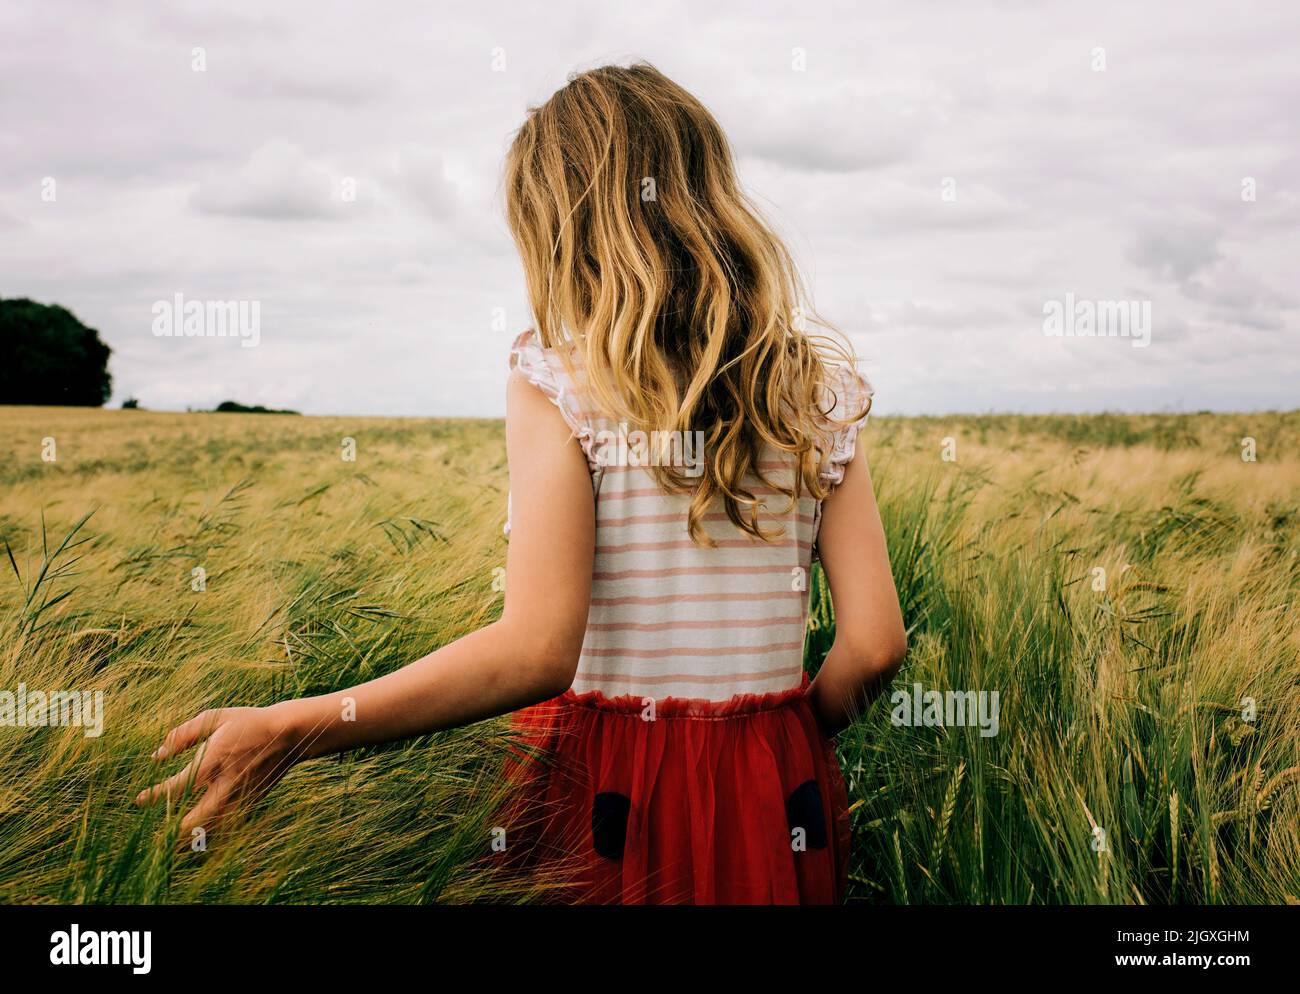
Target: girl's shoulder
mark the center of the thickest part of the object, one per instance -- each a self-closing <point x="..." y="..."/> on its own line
<point x="563" y="382"/>
<point x="844" y="411"/>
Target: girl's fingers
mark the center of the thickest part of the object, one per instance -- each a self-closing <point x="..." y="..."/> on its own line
<point x="183" y="736"/>
<point x="210" y="810"/>
<point x="174" y="786"/>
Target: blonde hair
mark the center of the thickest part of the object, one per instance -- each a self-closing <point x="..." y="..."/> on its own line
<point x="643" y="256"/>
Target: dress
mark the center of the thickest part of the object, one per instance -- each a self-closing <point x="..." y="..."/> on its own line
<point x="685" y="765"/>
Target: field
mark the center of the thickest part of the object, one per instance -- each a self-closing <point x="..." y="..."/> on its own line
<point x="1127" y="584"/>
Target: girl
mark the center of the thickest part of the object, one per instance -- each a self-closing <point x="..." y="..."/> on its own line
<point x="680" y="449"/>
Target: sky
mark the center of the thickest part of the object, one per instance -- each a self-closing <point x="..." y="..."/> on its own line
<point x="948" y="176"/>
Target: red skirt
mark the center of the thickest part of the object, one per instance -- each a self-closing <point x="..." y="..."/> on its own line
<point x="694" y="802"/>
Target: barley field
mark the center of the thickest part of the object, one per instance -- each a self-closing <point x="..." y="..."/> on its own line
<point x="1126" y="584"/>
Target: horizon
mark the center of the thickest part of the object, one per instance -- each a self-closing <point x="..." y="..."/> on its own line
<point x="898" y="415"/>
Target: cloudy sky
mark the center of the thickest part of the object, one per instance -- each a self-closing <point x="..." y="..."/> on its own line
<point x="942" y="171"/>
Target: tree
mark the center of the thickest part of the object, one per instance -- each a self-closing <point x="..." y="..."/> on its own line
<point x="47" y="356"/>
<point x="235" y="407"/>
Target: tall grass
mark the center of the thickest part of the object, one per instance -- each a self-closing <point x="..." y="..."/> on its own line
<point x="318" y="573"/>
<point x="1124" y="768"/>
<point x="1121" y="723"/>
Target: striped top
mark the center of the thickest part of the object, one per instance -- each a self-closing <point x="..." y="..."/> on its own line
<point x="669" y="618"/>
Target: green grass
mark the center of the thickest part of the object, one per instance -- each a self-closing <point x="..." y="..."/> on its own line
<point x="1121" y="707"/>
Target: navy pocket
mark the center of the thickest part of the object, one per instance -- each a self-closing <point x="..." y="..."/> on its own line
<point x="609" y="823"/>
<point x="803" y="809"/>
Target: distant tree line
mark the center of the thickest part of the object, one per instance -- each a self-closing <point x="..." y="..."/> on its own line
<point x="47" y="356"/>
<point x="234" y="407"/>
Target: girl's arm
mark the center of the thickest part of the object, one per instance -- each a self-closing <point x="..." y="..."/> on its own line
<point x="870" y="640"/>
<point x="529" y="655"/>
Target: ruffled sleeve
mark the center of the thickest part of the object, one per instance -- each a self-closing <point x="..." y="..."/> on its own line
<point x="547" y="372"/>
<point x="851" y="396"/>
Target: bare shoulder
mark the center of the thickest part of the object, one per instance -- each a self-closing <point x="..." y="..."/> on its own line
<point x="532" y="416"/>
<point x="525" y="397"/>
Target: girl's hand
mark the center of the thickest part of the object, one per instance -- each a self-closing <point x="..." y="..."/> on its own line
<point x="527" y="656"/>
<point x="246" y="752"/>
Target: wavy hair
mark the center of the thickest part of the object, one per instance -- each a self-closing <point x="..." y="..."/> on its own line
<point x="644" y="257"/>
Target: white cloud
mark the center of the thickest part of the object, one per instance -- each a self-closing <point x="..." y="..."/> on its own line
<point x="278" y="182"/>
<point x="226" y="184"/>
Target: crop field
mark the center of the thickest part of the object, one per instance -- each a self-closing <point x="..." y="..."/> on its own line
<point x="1126" y="584"/>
